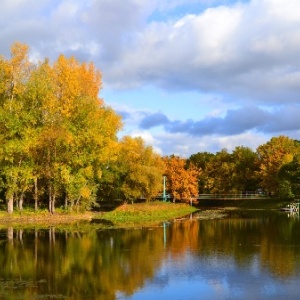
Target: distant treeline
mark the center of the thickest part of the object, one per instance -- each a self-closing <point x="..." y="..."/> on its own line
<point x="273" y="169"/>
<point x="59" y="147"/>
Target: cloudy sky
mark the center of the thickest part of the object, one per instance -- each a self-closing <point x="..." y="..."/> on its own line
<point x="186" y="75"/>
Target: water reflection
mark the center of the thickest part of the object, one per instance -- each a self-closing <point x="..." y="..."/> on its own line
<point x="240" y="257"/>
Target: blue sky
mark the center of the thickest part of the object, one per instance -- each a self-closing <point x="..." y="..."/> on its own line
<point x="186" y="75"/>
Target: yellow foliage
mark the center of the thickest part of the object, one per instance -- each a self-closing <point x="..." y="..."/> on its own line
<point x="85" y="192"/>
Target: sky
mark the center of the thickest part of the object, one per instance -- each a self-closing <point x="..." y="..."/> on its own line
<point x="187" y="76"/>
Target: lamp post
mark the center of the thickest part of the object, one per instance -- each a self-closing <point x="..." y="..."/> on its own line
<point x="164" y="190"/>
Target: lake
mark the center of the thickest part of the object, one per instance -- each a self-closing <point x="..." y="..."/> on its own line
<point x="247" y="255"/>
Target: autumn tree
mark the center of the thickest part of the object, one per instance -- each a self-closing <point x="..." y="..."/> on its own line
<point x="182" y="182"/>
<point x="57" y="134"/>
<point x="272" y="156"/>
<point x="139" y="170"/>
<point x="78" y="132"/>
<point x="16" y="135"/>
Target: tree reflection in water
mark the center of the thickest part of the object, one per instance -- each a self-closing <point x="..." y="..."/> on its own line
<point x="104" y="264"/>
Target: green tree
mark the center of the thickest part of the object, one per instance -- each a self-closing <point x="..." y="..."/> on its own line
<point x="16" y="135"/>
<point x="200" y="160"/>
<point x="289" y="178"/>
<point x="219" y="173"/>
<point x="245" y="168"/>
<point x="140" y="169"/>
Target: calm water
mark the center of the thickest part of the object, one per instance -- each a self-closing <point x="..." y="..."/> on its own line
<point x="248" y="256"/>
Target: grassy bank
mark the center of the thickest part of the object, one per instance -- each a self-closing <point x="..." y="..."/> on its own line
<point x="130" y="214"/>
<point x="147" y="212"/>
<point x="42" y="219"/>
<point x="138" y="214"/>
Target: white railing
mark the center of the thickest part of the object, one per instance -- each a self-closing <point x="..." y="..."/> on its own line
<point x="238" y="196"/>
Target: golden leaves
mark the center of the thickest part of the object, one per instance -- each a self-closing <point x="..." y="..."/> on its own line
<point x="182" y="182"/>
<point x="56" y="109"/>
<point x="272" y="156"/>
<point x="141" y="167"/>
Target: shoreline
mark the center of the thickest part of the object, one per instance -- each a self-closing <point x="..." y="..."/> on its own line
<point x="128" y="215"/>
<point x="40" y="219"/>
<point x="92" y="218"/>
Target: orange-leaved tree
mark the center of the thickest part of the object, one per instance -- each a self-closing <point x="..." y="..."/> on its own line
<point x="182" y="182"/>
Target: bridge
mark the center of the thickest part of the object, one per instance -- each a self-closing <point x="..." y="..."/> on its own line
<point x="243" y="196"/>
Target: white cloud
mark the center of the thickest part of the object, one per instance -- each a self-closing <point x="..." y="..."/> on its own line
<point x="245" y="54"/>
<point x="149" y="139"/>
<point x="185" y="145"/>
<point x="242" y="50"/>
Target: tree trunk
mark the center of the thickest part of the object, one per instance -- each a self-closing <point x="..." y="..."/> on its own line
<point x="10" y="204"/>
<point x="53" y="203"/>
<point x="77" y="203"/>
<point x="66" y="201"/>
<point x="71" y="204"/>
<point x="21" y="200"/>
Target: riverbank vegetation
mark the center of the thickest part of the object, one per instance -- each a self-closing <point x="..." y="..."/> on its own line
<point x="59" y="148"/>
<point x="138" y="214"/>
<point x="148" y="212"/>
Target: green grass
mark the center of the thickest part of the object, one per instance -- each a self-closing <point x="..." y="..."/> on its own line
<point x="140" y="214"/>
<point x="28" y="218"/>
<point x="127" y="215"/>
<point x="147" y="212"/>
